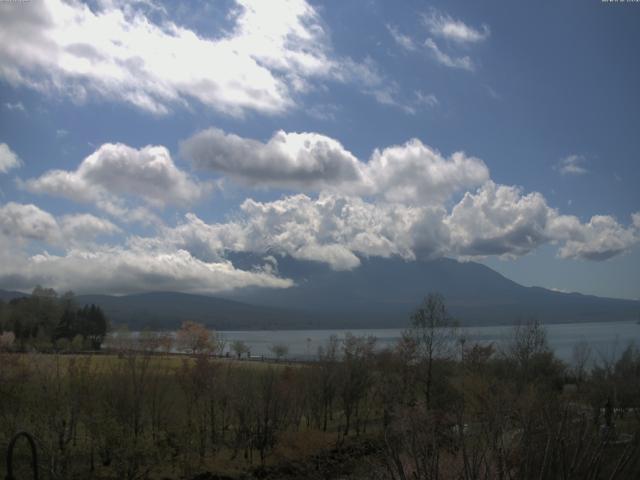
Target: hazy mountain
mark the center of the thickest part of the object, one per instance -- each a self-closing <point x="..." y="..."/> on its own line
<point x="385" y="291"/>
<point x="7" y="295"/>
<point x="381" y="292"/>
<point x="159" y="310"/>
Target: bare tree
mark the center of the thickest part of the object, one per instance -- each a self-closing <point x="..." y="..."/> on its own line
<point x="527" y="345"/>
<point x="580" y="357"/>
<point x="280" y="350"/>
<point x="328" y="372"/>
<point x="356" y="375"/>
<point x="434" y="333"/>
<point x="239" y="348"/>
<point x="196" y="339"/>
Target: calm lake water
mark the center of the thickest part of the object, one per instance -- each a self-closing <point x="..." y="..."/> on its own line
<point x="607" y="340"/>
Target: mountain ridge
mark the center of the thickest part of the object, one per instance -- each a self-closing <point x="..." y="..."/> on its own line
<point x="379" y="293"/>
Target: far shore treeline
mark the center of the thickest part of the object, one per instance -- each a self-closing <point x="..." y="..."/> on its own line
<point x="46" y="321"/>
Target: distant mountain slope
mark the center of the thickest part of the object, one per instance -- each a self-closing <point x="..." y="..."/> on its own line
<point x="7" y="295"/>
<point x="380" y="293"/>
<point x="160" y="310"/>
<point x="385" y="291"/>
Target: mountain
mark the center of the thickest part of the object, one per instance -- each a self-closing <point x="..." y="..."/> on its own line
<point x="166" y="310"/>
<point x="379" y="293"/>
<point x="383" y="292"/>
<point x="7" y="295"/>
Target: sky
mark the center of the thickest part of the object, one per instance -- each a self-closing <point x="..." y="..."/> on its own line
<point x="142" y="142"/>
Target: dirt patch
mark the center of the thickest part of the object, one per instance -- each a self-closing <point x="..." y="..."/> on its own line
<point x="352" y="460"/>
<point x="347" y="461"/>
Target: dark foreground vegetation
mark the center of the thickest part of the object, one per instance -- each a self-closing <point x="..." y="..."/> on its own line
<point x="433" y="407"/>
<point x="46" y="322"/>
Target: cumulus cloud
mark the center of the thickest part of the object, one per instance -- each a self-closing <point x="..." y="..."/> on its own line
<point x="86" y="266"/>
<point x="571" y="165"/>
<point x="444" y="26"/>
<point x="409" y="184"/>
<point x="272" y="51"/>
<point x="338" y="230"/>
<point x="27" y="222"/>
<point x="83" y="226"/>
<point x="119" y="271"/>
<point x="24" y="222"/>
<point x="331" y="229"/>
<point x="334" y="229"/>
<point x="499" y="220"/>
<point x="416" y="173"/>
<point x="599" y="239"/>
<point x="403" y="202"/>
<point x="409" y="173"/>
<point x="299" y="160"/>
<point x="115" y="173"/>
<point x="8" y="159"/>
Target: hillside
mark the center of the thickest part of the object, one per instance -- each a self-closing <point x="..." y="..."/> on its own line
<point x="162" y="310"/>
<point x="385" y="291"/>
<point x="380" y="293"/>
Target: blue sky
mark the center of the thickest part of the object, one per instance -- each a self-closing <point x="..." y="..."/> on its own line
<point x="141" y="142"/>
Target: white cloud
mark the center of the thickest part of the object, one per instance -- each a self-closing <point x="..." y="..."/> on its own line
<point x="402" y="40"/>
<point x="499" y="220"/>
<point x="119" y="271"/>
<point x="15" y="106"/>
<point x="409" y="173"/>
<point x="84" y="226"/>
<point x="8" y="159"/>
<point x="299" y="160"/>
<point x="426" y="99"/>
<point x="414" y="173"/>
<point x="420" y="101"/>
<point x="398" y="203"/>
<point x="332" y="229"/>
<point x="571" y="165"/>
<point x="324" y="112"/>
<point x="338" y="230"/>
<point x="372" y="82"/>
<point x="444" y="26"/>
<point x="121" y="54"/>
<point x="116" y="175"/>
<point x="26" y="222"/>
<point x="599" y="239"/>
<point x="115" y="51"/>
<point x="464" y="63"/>
<point x="86" y="266"/>
<point x="408" y="189"/>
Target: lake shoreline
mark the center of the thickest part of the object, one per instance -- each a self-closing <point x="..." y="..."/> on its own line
<point x="606" y="338"/>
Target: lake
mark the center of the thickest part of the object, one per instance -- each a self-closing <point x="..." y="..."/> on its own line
<point x="607" y="340"/>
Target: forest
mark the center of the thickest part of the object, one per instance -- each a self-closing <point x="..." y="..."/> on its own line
<point x="434" y="406"/>
<point x="46" y="322"/>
